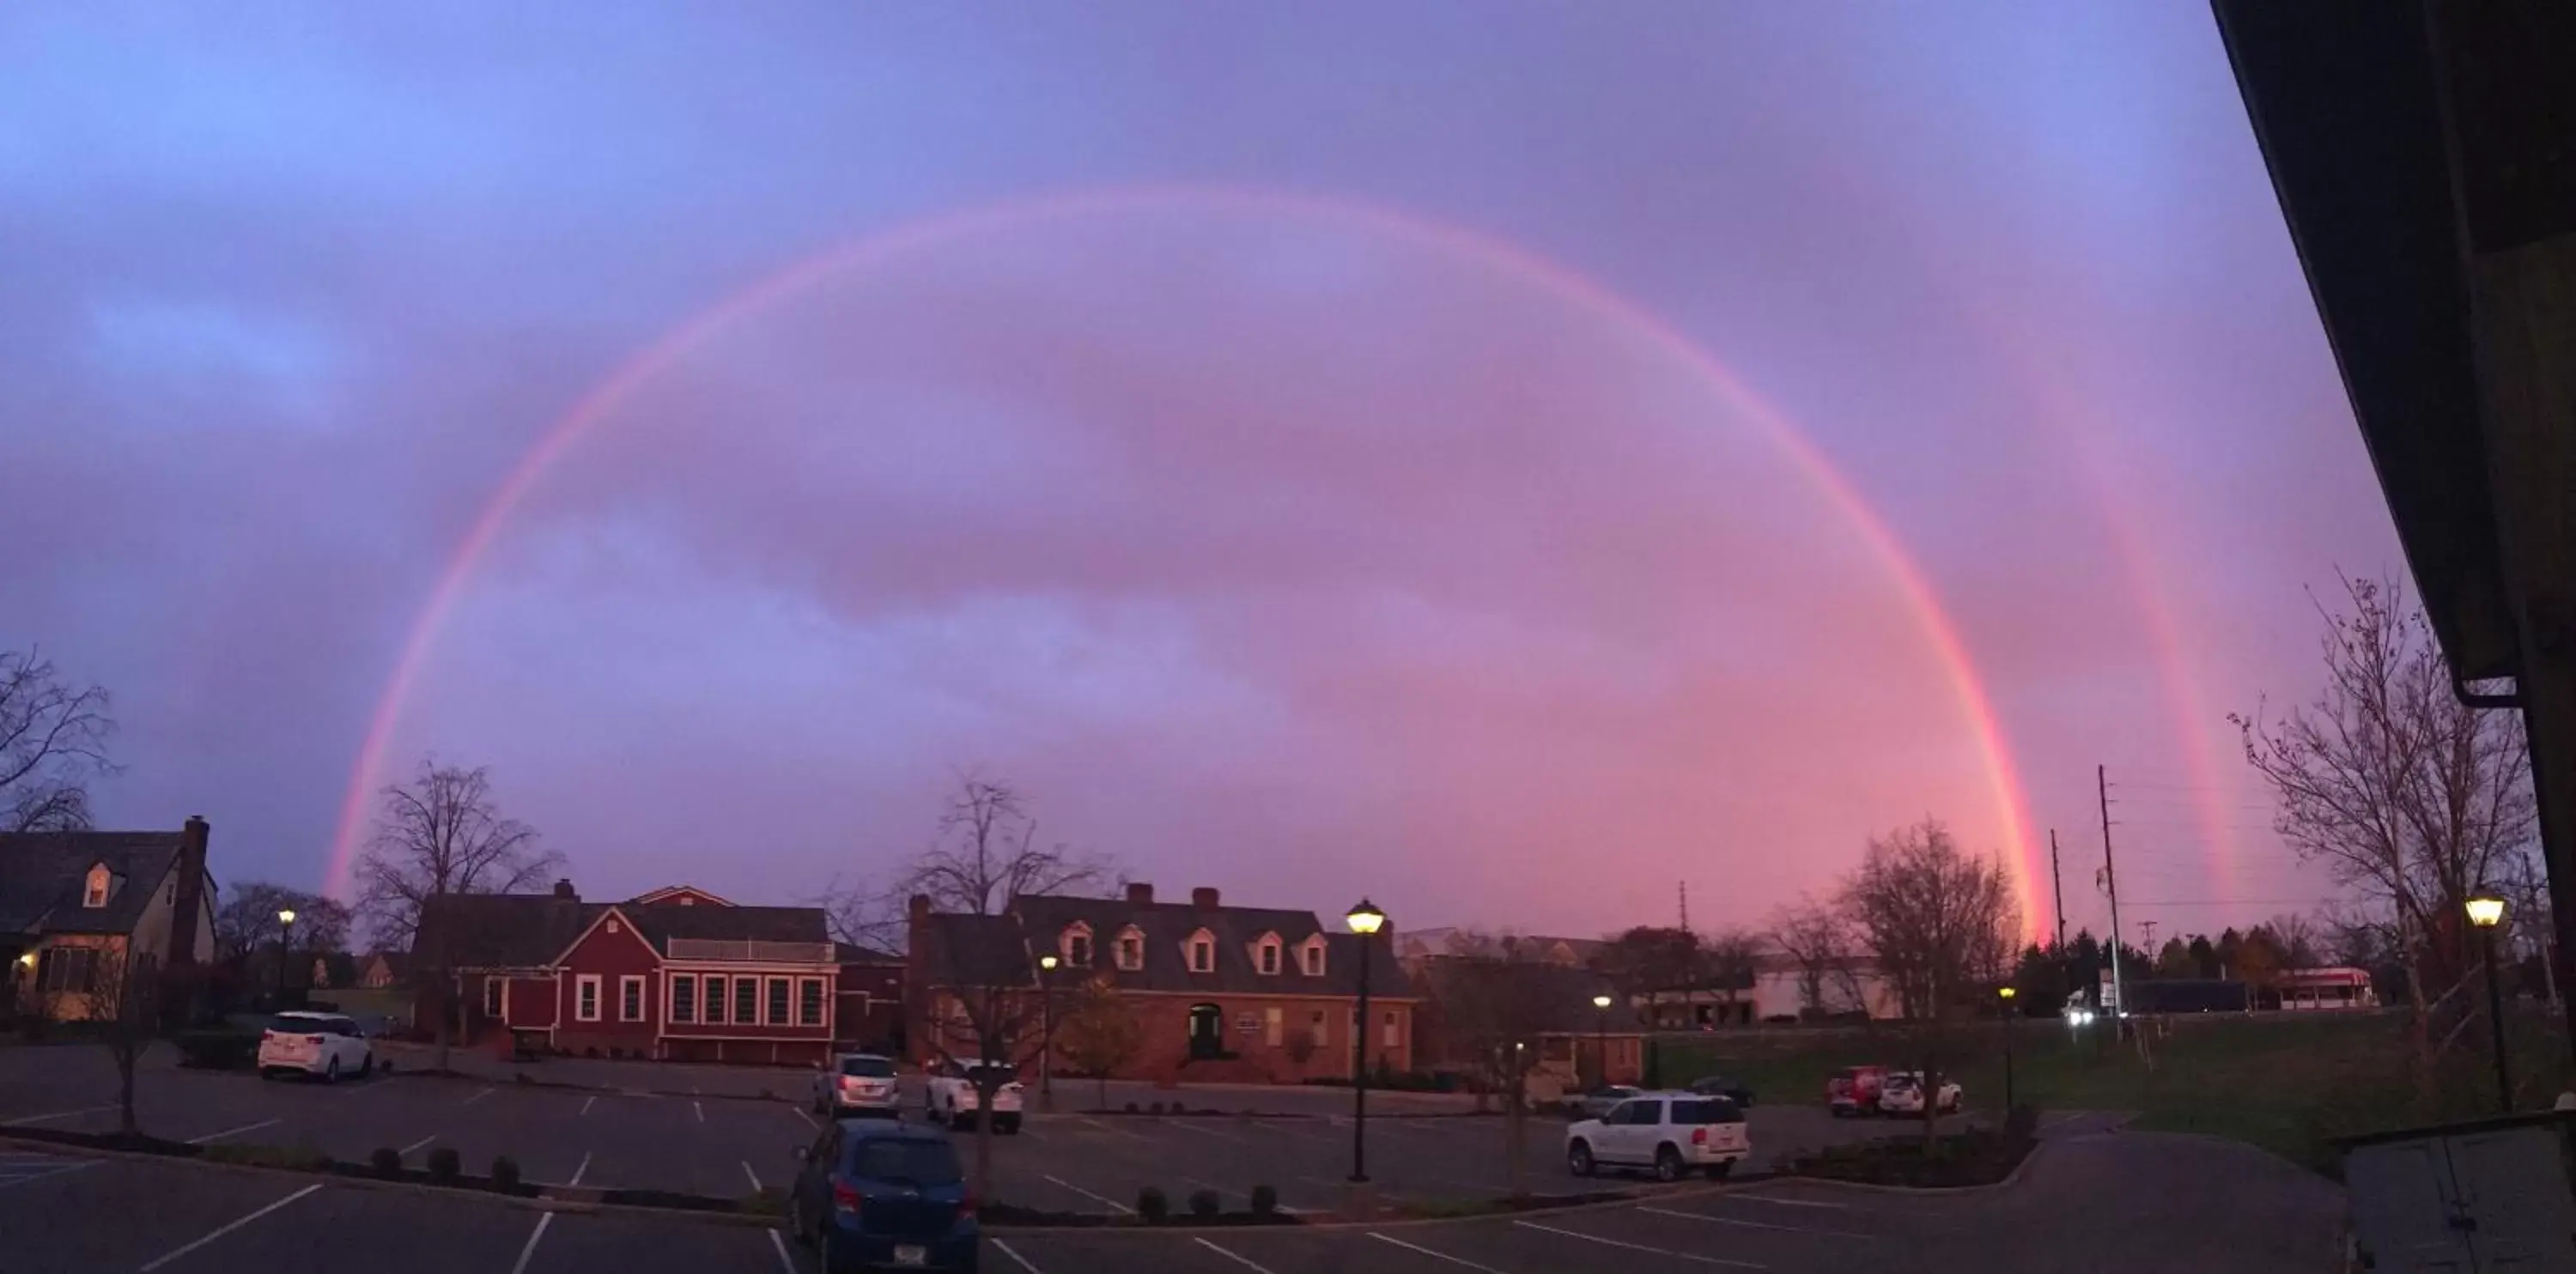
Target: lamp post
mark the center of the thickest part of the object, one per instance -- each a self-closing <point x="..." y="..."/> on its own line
<point x="1046" y="1032"/>
<point x="2006" y="995"/>
<point x="1365" y="920"/>
<point x="285" y="943"/>
<point x="1601" y="1041"/>
<point x="2486" y="911"/>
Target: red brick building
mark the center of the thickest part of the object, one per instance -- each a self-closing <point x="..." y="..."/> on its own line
<point x="676" y="974"/>
<point x="1222" y="993"/>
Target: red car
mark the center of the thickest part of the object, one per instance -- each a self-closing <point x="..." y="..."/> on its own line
<point x="1855" y="1090"/>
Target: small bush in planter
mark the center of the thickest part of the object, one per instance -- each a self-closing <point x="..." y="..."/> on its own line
<point x="1155" y="1109"/>
<point x="443" y="1165"/>
<point x="1265" y="1200"/>
<point x="1152" y="1205"/>
<point x="1131" y="1108"/>
<point x="386" y="1160"/>
<point x="505" y="1172"/>
<point x="1205" y="1205"/>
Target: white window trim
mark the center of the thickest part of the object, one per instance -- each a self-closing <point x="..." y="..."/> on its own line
<point x="496" y="997"/>
<point x="1201" y="940"/>
<point x="787" y="1017"/>
<point x="643" y="992"/>
<point x="757" y="1000"/>
<point x="1064" y="942"/>
<point x="671" y="1000"/>
<point x="1310" y="956"/>
<point x="585" y="982"/>
<point x="1269" y="950"/>
<point x="712" y="988"/>
<point x="822" y="1002"/>
<point x="98" y="886"/>
<point x="1118" y="954"/>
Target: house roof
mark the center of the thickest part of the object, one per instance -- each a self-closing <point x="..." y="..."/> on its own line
<point x="969" y="950"/>
<point x="500" y="931"/>
<point x="42" y="876"/>
<point x="1167" y="926"/>
<point x="659" y="925"/>
<point x="853" y="953"/>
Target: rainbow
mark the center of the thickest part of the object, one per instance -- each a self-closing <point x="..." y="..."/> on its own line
<point x="603" y="400"/>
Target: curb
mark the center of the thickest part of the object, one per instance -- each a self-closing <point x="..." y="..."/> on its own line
<point x="2010" y="1180"/>
<point x="563" y="1085"/>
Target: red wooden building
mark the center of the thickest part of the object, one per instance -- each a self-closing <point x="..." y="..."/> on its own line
<point x="676" y="974"/>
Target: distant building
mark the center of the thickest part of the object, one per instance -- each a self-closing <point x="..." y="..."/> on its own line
<point x="1453" y="941"/>
<point x="2299" y="990"/>
<point x="75" y="903"/>
<point x="1474" y="1004"/>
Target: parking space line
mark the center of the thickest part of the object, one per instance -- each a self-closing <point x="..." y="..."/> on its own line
<point x="531" y="1249"/>
<point x="218" y="1136"/>
<point x="1005" y="1249"/>
<point x="1210" y="1132"/>
<point x="1415" y="1247"/>
<point x="755" y="1177"/>
<point x="1640" y="1247"/>
<point x="780" y="1246"/>
<point x="1096" y="1198"/>
<point x="478" y="1096"/>
<point x="1237" y="1257"/>
<point x="418" y="1144"/>
<point x="63" y="1114"/>
<point x="576" y="1172"/>
<point x="1754" y="1225"/>
<point x="229" y="1227"/>
<point x="701" y="1109"/>
<point x="1749" y="1197"/>
<point x="49" y="1172"/>
<point x="586" y="1103"/>
<point x="1116" y="1131"/>
<point x="807" y="1116"/>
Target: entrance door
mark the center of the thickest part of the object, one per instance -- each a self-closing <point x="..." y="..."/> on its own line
<point x="1207" y="1030"/>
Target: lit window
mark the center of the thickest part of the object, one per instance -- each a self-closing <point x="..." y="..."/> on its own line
<point x="612" y="925"/>
<point x="684" y="998"/>
<point x="585" y="998"/>
<point x="94" y="891"/>
<point x="630" y="999"/>
<point x="809" y="1002"/>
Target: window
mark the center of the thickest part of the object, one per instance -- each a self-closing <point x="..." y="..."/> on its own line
<point x="1390" y="1034"/>
<point x="1131" y="950"/>
<point x="585" y="998"/>
<point x="746" y="1001"/>
<point x="94" y="892"/>
<point x="1707" y="1110"/>
<point x="630" y="999"/>
<point x="492" y="997"/>
<point x="1274" y="1026"/>
<point x="1266" y="953"/>
<point x="1075" y="946"/>
<point x="1312" y="956"/>
<point x="1642" y="1113"/>
<point x="809" y="1001"/>
<point x="65" y="970"/>
<point x="777" y="1002"/>
<point x="715" y="999"/>
<point x="684" y="998"/>
<point x="1321" y="1029"/>
<point x="1202" y="952"/>
<point x="612" y="925"/>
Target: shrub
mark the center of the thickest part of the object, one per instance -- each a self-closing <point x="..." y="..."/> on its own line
<point x="303" y="1158"/>
<point x="766" y="1201"/>
<point x="2021" y="1123"/>
<point x="505" y="1172"/>
<point x="1265" y="1200"/>
<point x="443" y="1165"/>
<point x="1131" y="1108"/>
<point x="1155" y="1109"/>
<point x="1205" y="1205"/>
<point x="1152" y="1205"/>
<point x="523" y="1077"/>
<point x="386" y="1160"/>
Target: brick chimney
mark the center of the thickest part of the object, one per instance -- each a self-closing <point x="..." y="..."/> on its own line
<point x="564" y="890"/>
<point x="188" y="895"/>
<point x="1140" y="893"/>
<point x="1204" y="898"/>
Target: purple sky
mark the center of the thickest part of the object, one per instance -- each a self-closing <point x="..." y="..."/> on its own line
<point x="1271" y="543"/>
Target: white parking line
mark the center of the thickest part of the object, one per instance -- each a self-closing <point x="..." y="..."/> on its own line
<point x="1210" y="1132"/>
<point x="576" y="1172"/>
<point x="1754" y="1225"/>
<point x="229" y="1227"/>
<point x="755" y="1177"/>
<point x="702" y="1111"/>
<point x="1004" y="1249"/>
<point x="1413" y="1247"/>
<point x="1096" y="1198"/>
<point x="807" y="1116"/>
<point x="1113" y="1129"/>
<point x="41" y="1174"/>
<point x="1640" y="1247"/>
<point x="418" y="1144"/>
<point x="1237" y="1257"/>
<point x="218" y="1136"/>
<point x="586" y="1103"/>
<point x="478" y="1097"/>
<point x="1788" y="1203"/>
<point x="531" y="1249"/>
<point x="63" y="1114"/>
<point x="785" y="1262"/>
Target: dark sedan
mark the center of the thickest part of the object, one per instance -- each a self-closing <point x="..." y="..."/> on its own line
<point x="1721" y="1086"/>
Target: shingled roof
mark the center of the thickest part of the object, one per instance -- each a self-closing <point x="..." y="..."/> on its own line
<point x="42" y="875"/>
<point x="659" y="925"/>
<point x="997" y="946"/>
<point x="499" y="931"/>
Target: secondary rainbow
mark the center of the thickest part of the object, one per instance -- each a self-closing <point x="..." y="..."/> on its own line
<point x="601" y="403"/>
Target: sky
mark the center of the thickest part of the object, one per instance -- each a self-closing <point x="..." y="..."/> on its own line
<point x="1507" y="460"/>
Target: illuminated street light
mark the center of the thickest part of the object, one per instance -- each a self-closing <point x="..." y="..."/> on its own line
<point x="1364" y="920"/>
<point x="2486" y="911"/>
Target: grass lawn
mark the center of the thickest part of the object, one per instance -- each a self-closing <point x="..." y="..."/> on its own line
<point x="2286" y="1082"/>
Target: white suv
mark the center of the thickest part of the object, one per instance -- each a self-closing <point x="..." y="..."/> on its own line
<point x="953" y="1098"/>
<point x="1668" y="1133"/>
<point x="324" y="1044"/>
<point x="853" y="1083"/>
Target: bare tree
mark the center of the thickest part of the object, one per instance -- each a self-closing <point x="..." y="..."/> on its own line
<point x="1818" y="937"/>
<point x="2301" y="938"/>
<point x="1940" y="923"/>
<point x="248" y="919"/>
<point x="1493" y="1012"/>
<point x="122" y="1002"/>
<point x="441" y="834"/>
<point x="2409" y="797"/>
<point x="53" y="740"/>
<point x="1098" y="1032"/>
<point x="863" y="916"/>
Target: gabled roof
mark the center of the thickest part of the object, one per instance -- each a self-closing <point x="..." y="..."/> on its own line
<point x="659" y="925"/>
<point x="42" y="874"/>
<point x="499" y="931"/>
<point x="668" y="892"/>
<point x="1166" y="926"/>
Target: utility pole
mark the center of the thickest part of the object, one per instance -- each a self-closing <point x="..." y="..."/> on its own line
<point x="2111" y="882"/>
<point x="2057" y="887"/>
<point x="1685" y="888"/>
<point x="2149" y="927"/>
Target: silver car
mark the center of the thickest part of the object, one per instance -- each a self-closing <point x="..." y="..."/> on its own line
<point x="855" y="1083"/>
<point x="1595" y="1104"/>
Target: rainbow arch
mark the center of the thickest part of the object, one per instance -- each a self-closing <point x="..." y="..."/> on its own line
<point x="601" y="402"/>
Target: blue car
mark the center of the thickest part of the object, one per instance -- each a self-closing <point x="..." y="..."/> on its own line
<point x="874" y="1195"/>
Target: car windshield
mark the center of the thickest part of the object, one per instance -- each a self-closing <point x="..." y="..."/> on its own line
<point x="870" y="1067"/>
<point x="918" y="1161"/>
<point x="1706" y="1110"/>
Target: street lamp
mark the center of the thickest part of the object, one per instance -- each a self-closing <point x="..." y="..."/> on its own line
<point x="285" y="943"/>
<point x="2006" y="995"/>
<point x="2486" y="911"/>
<point x="1365" y="920"/>
<point x="1046" y="1030"/>
<point x="1601" y="1041"/>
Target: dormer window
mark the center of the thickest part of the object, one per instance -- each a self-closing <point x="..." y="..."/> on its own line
<point x="1311" y="956"/>
<point x="1201" y="952"/>
<point x="1265" y="954"/>
<point x="1131" y="949"/>
<point x="1075" y="945"/>
<point x="95" y="890"/>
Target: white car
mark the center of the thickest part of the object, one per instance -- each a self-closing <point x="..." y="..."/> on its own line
<point x="954" y="1100"/>
<point x="1902" y="1094"/>
<point x="855" y="1083"/>
<point x="325" y="1044"/>
<point x="1669" y="1134"/>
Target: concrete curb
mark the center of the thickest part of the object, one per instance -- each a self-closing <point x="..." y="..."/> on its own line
<point x="2010" y="1180"/>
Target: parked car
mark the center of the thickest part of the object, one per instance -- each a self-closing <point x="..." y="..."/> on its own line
<point x="1902" y="1094"/>
<point x="1597" y="1103"/>
<point x="872" y="1195"/>
<point x="1667" y="1133"/>
<point x="854" y="1083"/>
<point x="304" y="1043"/>
<point x="953" y="1098"/>
<point x="1720" y="1086"/>
<point x="1854" y="1090"/>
